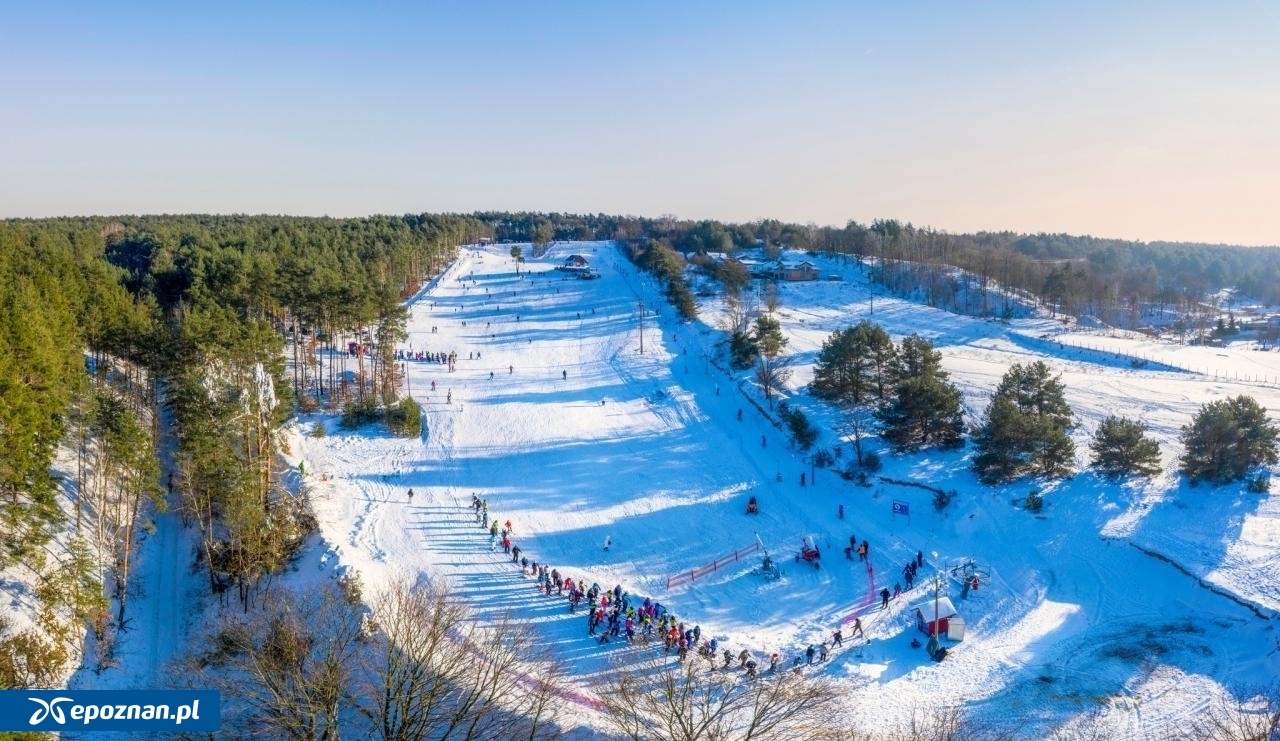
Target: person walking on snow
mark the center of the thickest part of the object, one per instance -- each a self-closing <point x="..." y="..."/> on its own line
<point x="857" y="628"/>
<point x="411" y="495"/>
<point x="884" y="598"/>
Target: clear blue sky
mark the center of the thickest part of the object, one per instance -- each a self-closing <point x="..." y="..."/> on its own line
<point x="1156" y="120"/>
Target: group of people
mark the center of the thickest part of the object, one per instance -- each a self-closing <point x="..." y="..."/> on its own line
<point x="442" y="358"/>
<point x="863" y="550"/>
<point x="615" y="614"/>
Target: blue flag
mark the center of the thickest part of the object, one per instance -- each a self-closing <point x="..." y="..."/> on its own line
<point x="901" y="508"/>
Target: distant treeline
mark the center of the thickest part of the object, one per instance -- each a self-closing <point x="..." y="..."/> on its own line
<point x="1073" y="274"/>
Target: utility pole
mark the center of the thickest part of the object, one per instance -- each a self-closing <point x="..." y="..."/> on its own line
<point x="933" y="645"/>
<point x="642" y="326"/>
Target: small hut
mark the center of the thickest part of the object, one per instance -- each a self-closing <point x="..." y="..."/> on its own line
<point x="925" y="616"/>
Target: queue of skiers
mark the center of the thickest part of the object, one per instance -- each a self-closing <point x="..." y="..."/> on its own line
<point x="616" y="614"/>
<point x="611" y="613"/>
<point x="442" y="358"/>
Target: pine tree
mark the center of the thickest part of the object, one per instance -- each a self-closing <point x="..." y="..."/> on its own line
<point x="1025" y="427"/>
<point x="855" y="365"/>
<point x="742" y="350"/>
<point x="925" y="407"/>
<point x="1226" y="439"/>
<point x="1121" y="446"/>
<point x="771" y="370"/>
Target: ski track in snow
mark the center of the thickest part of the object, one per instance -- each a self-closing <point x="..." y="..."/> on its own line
<point x="1072" y="618"/>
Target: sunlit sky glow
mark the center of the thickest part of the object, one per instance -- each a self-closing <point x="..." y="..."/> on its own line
<point x="1134" y="120"/>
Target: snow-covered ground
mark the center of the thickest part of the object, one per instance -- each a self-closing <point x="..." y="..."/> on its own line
<point x="1140" y="602"/>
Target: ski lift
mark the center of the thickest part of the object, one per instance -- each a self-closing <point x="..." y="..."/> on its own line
<point x="768" y="568"/>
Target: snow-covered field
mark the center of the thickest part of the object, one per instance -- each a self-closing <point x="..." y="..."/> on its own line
<point x="1133" y="605"/>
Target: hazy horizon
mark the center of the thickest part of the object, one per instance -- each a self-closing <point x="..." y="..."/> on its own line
<point x="1128" y="121"/>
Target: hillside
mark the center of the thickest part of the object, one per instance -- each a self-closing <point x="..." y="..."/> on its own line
<point x="1138" y="604"/>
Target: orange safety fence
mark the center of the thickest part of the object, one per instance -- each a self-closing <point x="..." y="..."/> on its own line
<point x="694" y="574"/>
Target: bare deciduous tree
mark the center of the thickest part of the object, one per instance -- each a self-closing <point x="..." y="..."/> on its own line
<point x="1255" y="718"/>
<point x="740" y="309"/>
<point x="288" y="667"/>
<point x="683" y="702"/>
<point x="436" y="672"/>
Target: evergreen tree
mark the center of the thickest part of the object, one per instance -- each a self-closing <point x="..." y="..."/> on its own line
<point x="679" y="296"/>
<point x="771" y="370"/>
<point x="742" y="350"/>
<point x="1226" y="439"/>
<point x="837" y="374"/>
<point x="1025" y="427"/>
<point x="1121" y="446"/>
<point x="925" y="406"/>
<point x="855" y="365"/>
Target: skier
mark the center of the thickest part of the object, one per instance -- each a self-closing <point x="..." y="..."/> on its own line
<point x="411" y="495"/>
<point x="608" y="541"/>
<point x="809" y="653"/>
<point x="836" y="638"/>
<point x="564" y="374"/>
<point x="884" y="598"/>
